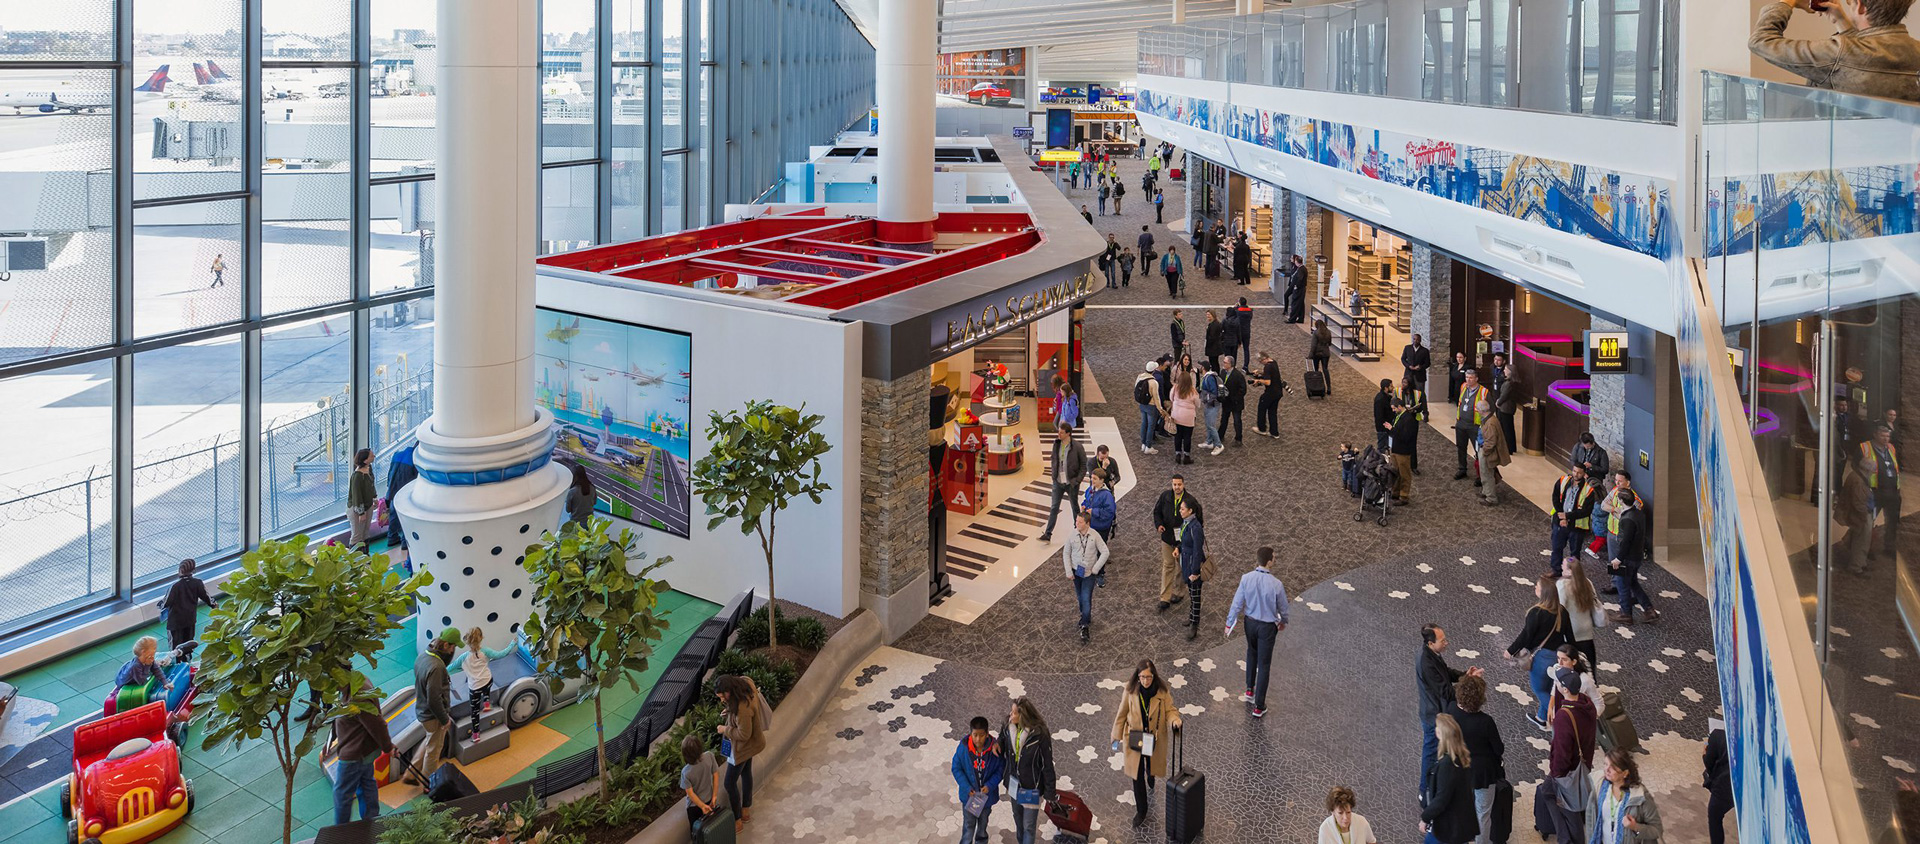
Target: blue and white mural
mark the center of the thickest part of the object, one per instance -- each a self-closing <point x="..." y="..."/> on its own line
<point x="1784" y="210"/>
<point x="1618" y="209"/>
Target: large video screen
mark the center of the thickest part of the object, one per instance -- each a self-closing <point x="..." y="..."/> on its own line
<point x="623" y="395"/>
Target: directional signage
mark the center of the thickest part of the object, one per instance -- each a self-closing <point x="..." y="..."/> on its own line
<point x="1607" y="352"/>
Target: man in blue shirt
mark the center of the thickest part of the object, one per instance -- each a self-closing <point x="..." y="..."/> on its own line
<point x="1264" y="601"/>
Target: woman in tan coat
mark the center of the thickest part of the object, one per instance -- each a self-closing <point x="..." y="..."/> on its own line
<point x="1145" y="721"/>
<point x="745" y="734"/>
<point x="1493" y="455"/>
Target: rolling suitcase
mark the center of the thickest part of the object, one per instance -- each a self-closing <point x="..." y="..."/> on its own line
<point x="1186" y="795"/>
<point x="1316" y="384"/>
<point x="449" y="783"/>
<point x="1616" y="729"/>
<point x="1070" y="815"/>
<point x="1501" y="818"/>
<point x="716" y="828"/>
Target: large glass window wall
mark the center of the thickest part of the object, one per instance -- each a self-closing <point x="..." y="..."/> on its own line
<point x="217" y="256"/>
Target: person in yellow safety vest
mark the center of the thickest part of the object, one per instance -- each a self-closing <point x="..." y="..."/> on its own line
<point x="1572" y="514"/>
<point x="1466" y="427"/>
<point x="1880" y="465"/>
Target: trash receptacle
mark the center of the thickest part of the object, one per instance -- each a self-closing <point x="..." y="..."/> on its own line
<point x="1533" y="429"/>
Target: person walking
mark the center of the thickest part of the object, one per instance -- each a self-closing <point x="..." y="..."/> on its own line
<point x="1178" y="330"/>
<point x="1026" y="750"/>
<point x="1168" y="521"/>
<point x="219" y="270"/>
<point x="1488" y="752"/>
<point x="743" y="736"/>
<point x="1446" y="799"/>
<point x="1266" y="417"/>
<point x="361" y="499"/>
<point x="1416" y="395"/>
<point x="1109" y="261"/>
<point x="1320" y="352"/>
<point x="1146" y="394"/>
<point x="1143" y="725"/>
<point x="180" y="607"/>
<point x="1243" y="333"/>
<point x="1622" y="811"/>
<point x="400" y="472"/>
<point x="1438" y="685"/>
<point x="432" y="703"/>
<point x="1626" y="567"/>
<point x="1470" y="399"/>
<point x="1402" y="433"/>
<point x="1145" y="244"/>
<point x="1572" y="515"/>
<point x="1585" y="614"/>
<point x="1193" y="563"/>
<point x="1119" y="193"/>
<point x="1493" y="455"/>
<point x="1263" y="599"/>
<point x="1159" y="206"/>
<point x="1210" y="389"/>
<point x="1185" y="412"/>
<point x="359" y="740"/>
<point x="1068" y="469"/>
<point x="1343" y="825"/>
<point x="1084" y="557"/>
<point x="1103" y="194"/>
<point x="1066" y="403"/>
<point x="977" y="769"/>
<point x="1880" y="464"/>
<point x="1383" y="414"/>
<point x="1570" y="757"/>
<point x="1126" y="267"/>
<point x="1242" y="262"/>
<point x="1233" y="398"/>
<point x="1415" y="359"/>
<point x="1546" y="629"/>
<point x="1170" y="268"/>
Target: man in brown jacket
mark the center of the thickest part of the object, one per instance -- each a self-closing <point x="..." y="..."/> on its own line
<point x="1870" y="53"/>
<point x="359" y="740"/>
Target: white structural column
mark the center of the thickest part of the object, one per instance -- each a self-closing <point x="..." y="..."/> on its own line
<point x="1179" y="11"/>
<point x="904" y="57"/>
<point x="487" y="485"/>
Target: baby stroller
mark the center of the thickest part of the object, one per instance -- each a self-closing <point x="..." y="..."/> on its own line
<point x="1377" y="477"/>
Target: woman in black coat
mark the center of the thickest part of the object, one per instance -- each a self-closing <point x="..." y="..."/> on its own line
<point x="1027" y="747"/>
<point x="1446" y="803"/>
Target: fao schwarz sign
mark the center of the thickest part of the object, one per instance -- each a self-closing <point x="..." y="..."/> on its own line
<point x="965" y="329"/>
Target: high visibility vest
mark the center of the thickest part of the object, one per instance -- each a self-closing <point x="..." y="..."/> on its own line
<point x="1416" y="404"/>
<point x="1586" y="490"/>
<point x="1470" y="401"/>
<point x="1868" y="458"/>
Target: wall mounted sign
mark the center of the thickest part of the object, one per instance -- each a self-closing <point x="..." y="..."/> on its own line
<point x="979" y="322"/>
<point x="1607" y="352"/>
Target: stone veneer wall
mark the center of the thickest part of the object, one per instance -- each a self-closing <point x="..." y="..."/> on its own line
<point x="1608" y="398"/>
<point x="893" y="498"/>
<point x="1309" y="239"/>
<point x="1433" y="311"/>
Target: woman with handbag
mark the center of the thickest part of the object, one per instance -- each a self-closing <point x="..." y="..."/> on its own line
<point x="1622" y="812"/>
<point x="1026" y="748"/>
<point x="360" y="499"/>
<point x="1195" y="568"/>
<point x="1144" y="725"/>
<point x="1584" y="610"/>
<point x="1570" y="759"/>
<point x="1546" y="630"/>
<point x="1446" y="802"/>
<point x="743" y="736"/>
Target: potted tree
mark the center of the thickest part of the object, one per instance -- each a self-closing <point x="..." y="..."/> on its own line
<point x="297" y="615"/>
<point x="758" y="460"/>
<point x="594" y="618"/>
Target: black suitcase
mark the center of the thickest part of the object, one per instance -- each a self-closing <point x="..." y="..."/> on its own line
<point x="449" y="783"/>
<point x="1501" y="818"/>
<point x="1186" y="795"/>
<point x="1316" y="384"/>
<point x="1543" y="801"/>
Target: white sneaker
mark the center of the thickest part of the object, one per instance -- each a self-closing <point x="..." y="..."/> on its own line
<point x="1219" y="448"/>
<point x="1147" y="449"/>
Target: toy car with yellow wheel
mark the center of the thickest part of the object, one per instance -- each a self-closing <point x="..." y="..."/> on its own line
<point x="126" y="786"/>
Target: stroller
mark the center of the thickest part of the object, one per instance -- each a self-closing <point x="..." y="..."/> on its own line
<point x="1377" y="477"/>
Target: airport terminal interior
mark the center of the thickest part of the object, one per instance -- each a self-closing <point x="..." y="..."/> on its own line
<point x="594" y="421"/>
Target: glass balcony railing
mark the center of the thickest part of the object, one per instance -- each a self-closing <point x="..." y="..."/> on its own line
<point x="1812" y="262"/>
<point x="1606" y="58"/>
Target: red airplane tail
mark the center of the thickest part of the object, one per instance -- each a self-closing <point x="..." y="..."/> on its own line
<point x="157" y="83"/>
<point x="200" y="75"/>
<point x="215" y="71"/>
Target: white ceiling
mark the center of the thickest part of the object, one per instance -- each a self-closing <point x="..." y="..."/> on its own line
<point x="1077" y="40"/>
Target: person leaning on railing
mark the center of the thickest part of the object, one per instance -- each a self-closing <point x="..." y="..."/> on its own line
<point x="1871" y="52"/>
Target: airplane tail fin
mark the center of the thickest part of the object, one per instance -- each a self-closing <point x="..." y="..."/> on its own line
<point x="157" y="83"/>
<point x="215" y="71"/>
<point x="200" y="74"/>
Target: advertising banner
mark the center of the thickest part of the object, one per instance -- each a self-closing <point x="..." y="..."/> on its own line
<point x="995" y="78"/>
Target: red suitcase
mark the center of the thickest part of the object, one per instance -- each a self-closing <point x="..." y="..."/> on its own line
<point x="1070" y="814"/>
<point x="1177" y="174"/>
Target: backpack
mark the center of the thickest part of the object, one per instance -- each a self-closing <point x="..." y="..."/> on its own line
<point x="1143" y="394"/>
<point x="1210" y="390"/>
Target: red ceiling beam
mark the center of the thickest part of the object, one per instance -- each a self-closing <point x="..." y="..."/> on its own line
<point x="811" y="239"/>
<point x="898" y="278"/>
<point x="715" y="266"/>
<point x="808" y="258"/>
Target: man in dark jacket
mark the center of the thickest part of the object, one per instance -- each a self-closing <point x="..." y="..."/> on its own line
<point x="432" y="701"/>
<point x="1145" y="242"/>
<point x="1297" y="291"/>
<point x="1166" y="520"/>
<point x="359" y="740"/>
<point x="1436" y="679"/>
<point x="1177" y="329"/>
<point x="182" y="604"/>
<point x="1266" y="417"/>
<point x="399" y="474"/>
<point x="1243" y="333"/>
<point x="1216" y="338"/>
<point x="1403" y="432"/>
<point x="1484" y="747"/>
<point x="1233" y="397"/>
<point x="1506" y="401"/>
<point x="1626" y="568"/>
<point x="1416" y="359"/>
<point x="1068" y="470"/>
<point x="1718" y="780"/>
<point x="1383" y="414"/>
<point x="1242" y="261"/>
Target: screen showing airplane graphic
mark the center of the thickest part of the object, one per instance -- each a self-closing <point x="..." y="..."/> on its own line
<point x="622" y="396"/>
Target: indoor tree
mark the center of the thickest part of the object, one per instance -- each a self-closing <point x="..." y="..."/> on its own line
<point x="593" y="617"/>
<point x="759" y="460"/>
<point x="298" y="615"/>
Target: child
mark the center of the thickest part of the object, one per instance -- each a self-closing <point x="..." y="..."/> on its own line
<point x="479" y="666"/>
<point x="1350" y="468"/>
<point x="177" y="609"/>
<point x="141" y="669"/>
<point x="699" y="778"/>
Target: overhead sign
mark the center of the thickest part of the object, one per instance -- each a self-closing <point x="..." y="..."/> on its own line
<point x="1023" y="131"/>
<point x="962" y="326"/>
<point x="1059" y="156"/>
<point x="1607" y="352"/>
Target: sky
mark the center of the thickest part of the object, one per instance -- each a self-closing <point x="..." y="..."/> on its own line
<point x="297" y="16"/>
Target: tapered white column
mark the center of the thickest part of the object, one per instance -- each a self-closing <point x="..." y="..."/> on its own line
<point x="904" y="57"/>
<point x="487" y="486"/>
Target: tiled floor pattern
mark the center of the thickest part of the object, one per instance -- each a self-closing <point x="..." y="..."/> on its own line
<point x="1343" y="713"/>
<point x="238" y="794"/>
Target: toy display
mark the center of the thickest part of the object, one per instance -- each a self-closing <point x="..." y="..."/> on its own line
<point x="126" y="786"/>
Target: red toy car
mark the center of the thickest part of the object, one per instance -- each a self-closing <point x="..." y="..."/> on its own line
<point x="126" y="786"/>
<point x="987" y="93"/>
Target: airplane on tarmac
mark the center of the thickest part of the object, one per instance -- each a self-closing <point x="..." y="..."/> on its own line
<point x="215" y="84"/>
<point x="83" y="102"/>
